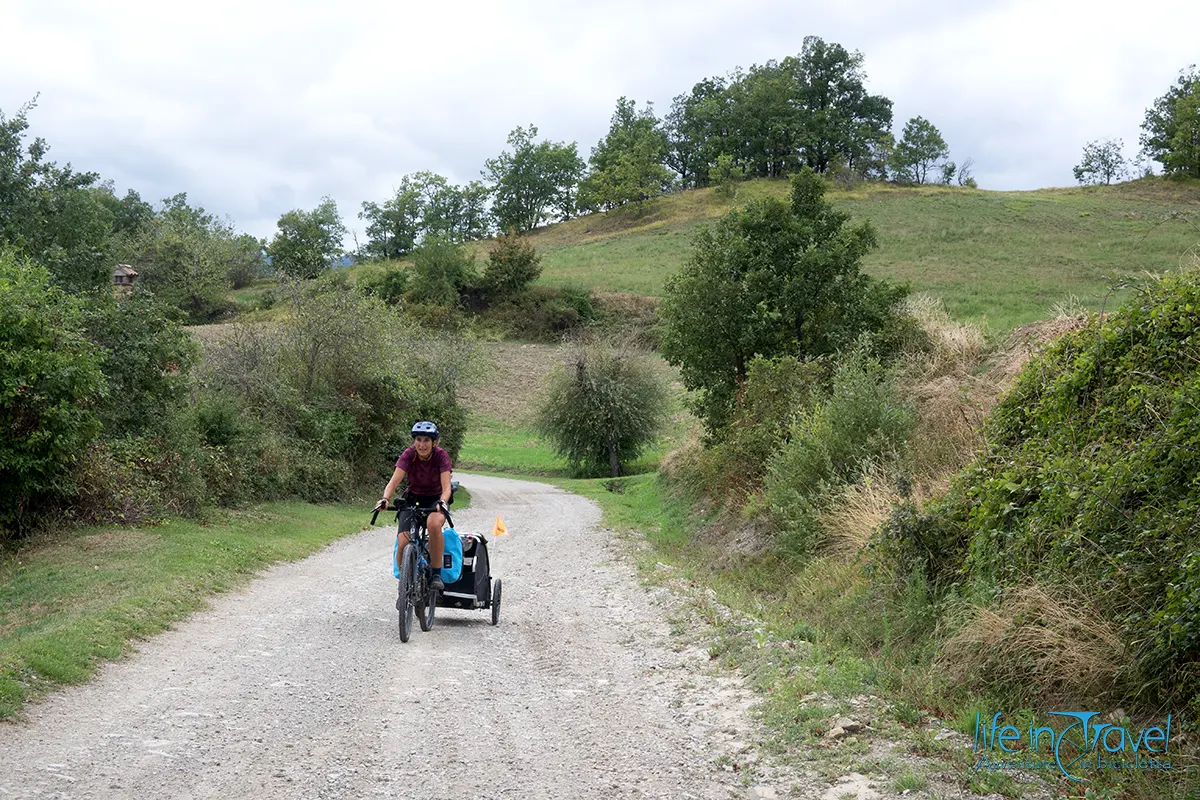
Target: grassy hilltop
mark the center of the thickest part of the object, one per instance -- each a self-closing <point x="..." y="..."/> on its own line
<point x="1006" y="257"/>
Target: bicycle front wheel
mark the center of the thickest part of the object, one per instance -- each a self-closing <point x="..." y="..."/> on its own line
<point x="427" y="607"/>
<point x="407" y="590"/>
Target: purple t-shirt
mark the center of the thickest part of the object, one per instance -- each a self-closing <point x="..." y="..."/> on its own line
<point x="424" y="477"/>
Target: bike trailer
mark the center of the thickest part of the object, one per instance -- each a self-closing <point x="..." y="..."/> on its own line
<point x="473" y="589"/>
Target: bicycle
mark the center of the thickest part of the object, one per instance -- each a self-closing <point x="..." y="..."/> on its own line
<point x="415" y="592"/>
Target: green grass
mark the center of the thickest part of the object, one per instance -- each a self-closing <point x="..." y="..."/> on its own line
<point x="1006" y="257"/>
<point x="492" y="445"/>
<point x="82" y="597"/>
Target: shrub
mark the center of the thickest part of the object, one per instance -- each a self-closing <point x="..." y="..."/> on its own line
<point x="442" y="272"/>
<point x="1088" y="477"/>
<point x="544" y="313"/>
<point x="334" y="389"/>
<point x="512" y="265"/>
<point x="775" y="390"/>
<point x="50" y="385"/>
<point x="862" y="422"/>
<point x="145" y="356"/>
<point x="602" y="410"/>
<point x="389" y="285"/>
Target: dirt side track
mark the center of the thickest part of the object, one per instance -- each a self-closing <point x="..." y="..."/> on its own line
<point x="299" y="686"/>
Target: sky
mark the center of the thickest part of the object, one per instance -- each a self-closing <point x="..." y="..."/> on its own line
<point x="255" y="108"/>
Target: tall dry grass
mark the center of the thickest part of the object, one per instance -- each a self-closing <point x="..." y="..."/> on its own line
<point x="1049" y="644"/>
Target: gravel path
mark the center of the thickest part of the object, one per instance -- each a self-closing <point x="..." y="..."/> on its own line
<point x="298" y="686"/>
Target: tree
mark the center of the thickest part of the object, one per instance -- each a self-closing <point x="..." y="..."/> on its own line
<point x="1102" y="161"/>
<point x="129" y="213"/>
<point x="627" y="163"/>
<point x="835" y="115"/>
<point x="512" y="265"/>
<point x="966" y="174"/>
<point x="145" y="356"/>
<point x="425" y="204"/>
<point x="696" y="128"/>
<point x="394" y="228"/>
<point x="772" y="279"/>
<point x="921" y="148"/>
<point x="1161" y="127"/>
<point x="51" y="213"/>
<point x="308" y="242"/>
<point x="50" y="383"/>
<point x="535" y="183"/>
<point x="185" y="255"/>
<point x="602" y="410"/>
<point x="1184" y="156"/>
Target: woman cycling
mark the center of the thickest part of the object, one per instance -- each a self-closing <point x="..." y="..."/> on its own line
<point x="427" y="468"/>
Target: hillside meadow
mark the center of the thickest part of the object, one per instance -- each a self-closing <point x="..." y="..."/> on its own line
<point x="1001" y="257"/>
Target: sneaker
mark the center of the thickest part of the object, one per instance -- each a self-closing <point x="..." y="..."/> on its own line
<point x="435" y="583"/>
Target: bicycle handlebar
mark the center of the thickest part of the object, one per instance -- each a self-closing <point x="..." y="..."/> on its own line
<point x="394" y="506"/>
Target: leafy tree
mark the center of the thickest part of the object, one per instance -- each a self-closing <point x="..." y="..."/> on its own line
<point x="535" y="183"/>
<point x="836" y="116"/>
<point x="129" y="213"/>
<point x="308" y="242"/>
<point x="1102" y="161"/>
<point x="773" y="279"/>
<point x="145" y="357"/>
<point x="627" y="164"/>
<point x="50" y="382"/>
<point x="245" y="259"/>
<point x="425" y="204"/>
<point x="764" y="119"/>
<point x="456" y="213"/>
<point x="602" y="410"/>
<point x="512" y="265"/>
<point x="696" y="128"/>
<point x="50" y="213"/>
<point x="183" y="255"/>
<point x="1161" y="135"/>
<point x="394" y="228"/>
<point x="921" y="148"/>
<point x="1184" y="157"/>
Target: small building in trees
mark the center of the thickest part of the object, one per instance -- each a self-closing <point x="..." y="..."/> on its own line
<point x="123" y="279"/>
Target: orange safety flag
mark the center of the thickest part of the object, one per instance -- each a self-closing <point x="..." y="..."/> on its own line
<point x="498" y="529"/>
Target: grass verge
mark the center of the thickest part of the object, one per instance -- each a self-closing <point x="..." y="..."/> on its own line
<point x="69" y="603"/>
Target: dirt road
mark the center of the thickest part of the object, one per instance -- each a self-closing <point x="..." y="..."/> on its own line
<point x="298" y="686"/>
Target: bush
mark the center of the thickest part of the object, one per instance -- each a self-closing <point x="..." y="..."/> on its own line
<point x="512" y="265"/>
<point x="333" y="390"/>
<point x="544" y="313"/>
<point x="146" y="359"/>
<point x="862" y="422"/>
<point x="389" y="285"/>
<point x="775" y="390"/>
<point x="442" y="273"/>
<point x="602" y="410"/>
<point x="50" y="385"/>
<point x="1088" y="478"/>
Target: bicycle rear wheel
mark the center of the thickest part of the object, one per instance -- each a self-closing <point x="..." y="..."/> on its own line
<point x="407" y="589"/>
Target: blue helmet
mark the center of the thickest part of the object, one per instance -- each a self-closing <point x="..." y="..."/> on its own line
<point x="425" y="429"/>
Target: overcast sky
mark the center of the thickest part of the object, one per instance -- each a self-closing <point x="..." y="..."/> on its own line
<point x="254" y="108"/>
